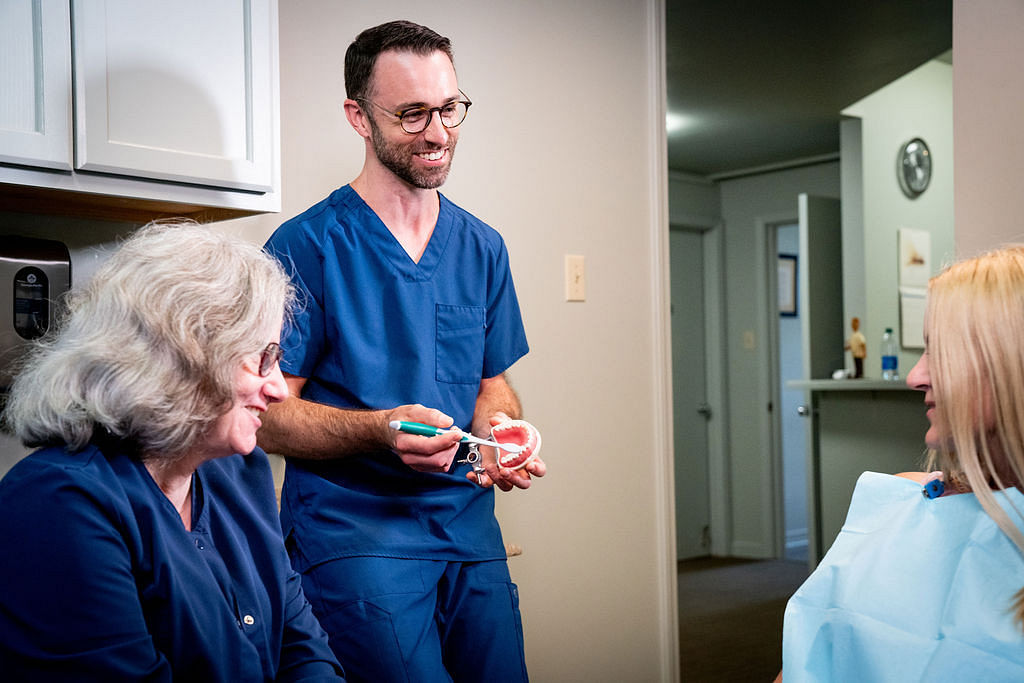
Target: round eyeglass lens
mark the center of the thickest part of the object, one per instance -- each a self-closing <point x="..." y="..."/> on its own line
<point x="417" y="120"/>
<point x="453" y="114"/>
<point x="269" y="358"/>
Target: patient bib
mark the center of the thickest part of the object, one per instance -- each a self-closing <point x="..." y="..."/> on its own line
<point x="913" y="589"/>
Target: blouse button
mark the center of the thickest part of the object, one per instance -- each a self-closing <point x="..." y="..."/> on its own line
<point x="249" y="621"/>
<point x="199" y="544"/>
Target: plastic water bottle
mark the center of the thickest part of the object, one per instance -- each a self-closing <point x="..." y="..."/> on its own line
<point x="889" y="356"/>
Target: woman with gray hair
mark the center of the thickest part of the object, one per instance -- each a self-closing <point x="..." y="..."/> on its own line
<point x="142" y="540"/>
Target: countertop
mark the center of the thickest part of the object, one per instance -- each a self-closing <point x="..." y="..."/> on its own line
<point x="848" y="385"/>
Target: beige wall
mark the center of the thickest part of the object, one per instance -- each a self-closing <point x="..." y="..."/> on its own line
<point x="563" y="153"/>
<point x="988" y="108"/>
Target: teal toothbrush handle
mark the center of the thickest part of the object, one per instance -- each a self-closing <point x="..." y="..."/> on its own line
<point x="417" y="428"/>
<point x="421" y="429"/>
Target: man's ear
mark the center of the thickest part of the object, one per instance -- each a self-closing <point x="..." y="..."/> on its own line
<point x="357" y="118"/>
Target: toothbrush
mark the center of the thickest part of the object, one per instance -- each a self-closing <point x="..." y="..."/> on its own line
<point x="429" y="430"/>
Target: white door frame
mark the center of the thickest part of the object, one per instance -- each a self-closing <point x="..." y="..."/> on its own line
<point x="657" y="239"/>
<point x="771" y="428"/>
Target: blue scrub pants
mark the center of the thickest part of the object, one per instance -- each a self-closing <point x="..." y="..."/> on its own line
<point x="422" y="621"/>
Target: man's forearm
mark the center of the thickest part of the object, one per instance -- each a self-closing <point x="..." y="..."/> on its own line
<point x="304" y="429"/>
<point x="496" y="396"/>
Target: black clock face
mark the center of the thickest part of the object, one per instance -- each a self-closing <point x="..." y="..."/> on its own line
<point x="915" y="167"/>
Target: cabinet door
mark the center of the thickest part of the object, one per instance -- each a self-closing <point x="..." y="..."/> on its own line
<point x="181" y="91"/>
<point x="35" y="79"/>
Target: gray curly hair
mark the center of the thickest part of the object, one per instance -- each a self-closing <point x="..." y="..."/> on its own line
<point x="148" y="349"/>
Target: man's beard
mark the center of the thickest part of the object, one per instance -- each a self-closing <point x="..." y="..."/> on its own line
<point x="398" y="159"/>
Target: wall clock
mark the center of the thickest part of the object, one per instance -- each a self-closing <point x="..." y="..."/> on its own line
<point x="914" y="167"/>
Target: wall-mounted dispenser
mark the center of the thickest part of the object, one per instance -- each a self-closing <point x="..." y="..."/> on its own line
<point x="34" y="275"/>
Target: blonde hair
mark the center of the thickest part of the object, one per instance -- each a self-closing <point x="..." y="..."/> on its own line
<point x="149" y="347"/>
<point x="975" y="337"/>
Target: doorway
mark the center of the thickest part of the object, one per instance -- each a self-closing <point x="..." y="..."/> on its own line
<point x="789" y="363"/>
<point x="800" y="349"/>
<point x="690" y="411"/>
<point x="698" y="361"/>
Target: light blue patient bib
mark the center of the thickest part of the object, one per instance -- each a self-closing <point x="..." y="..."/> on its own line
<point x="913" y="589"/>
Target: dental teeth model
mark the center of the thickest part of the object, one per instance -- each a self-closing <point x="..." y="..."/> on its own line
<point x="521" y="433"/>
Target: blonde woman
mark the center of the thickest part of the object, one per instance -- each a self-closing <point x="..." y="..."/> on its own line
<point x="926" y="579"/>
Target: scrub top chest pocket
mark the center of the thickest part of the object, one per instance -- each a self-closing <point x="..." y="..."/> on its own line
<point x="459" y="346"/>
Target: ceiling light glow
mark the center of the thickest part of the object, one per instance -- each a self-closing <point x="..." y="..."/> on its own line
<point x="675" y="123"/>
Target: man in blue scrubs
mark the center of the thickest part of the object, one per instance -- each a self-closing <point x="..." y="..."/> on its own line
<point x="408" y="313"/>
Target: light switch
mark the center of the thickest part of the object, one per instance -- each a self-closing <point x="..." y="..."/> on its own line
<point x="575" y="278"/>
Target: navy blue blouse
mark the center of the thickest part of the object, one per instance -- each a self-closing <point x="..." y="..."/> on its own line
<point x="100" y="580"/>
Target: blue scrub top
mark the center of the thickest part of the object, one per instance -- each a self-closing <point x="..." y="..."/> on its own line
<point x="376" y="330"/>
<point x="100" y="580"/>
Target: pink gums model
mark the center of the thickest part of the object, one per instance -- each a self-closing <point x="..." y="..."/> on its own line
<point x="521" y="433"/>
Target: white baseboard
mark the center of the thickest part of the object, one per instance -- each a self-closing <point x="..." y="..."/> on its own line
<point x="796" y="539"/>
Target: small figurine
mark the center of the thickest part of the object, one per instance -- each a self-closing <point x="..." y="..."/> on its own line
<point x="857" y="345"/>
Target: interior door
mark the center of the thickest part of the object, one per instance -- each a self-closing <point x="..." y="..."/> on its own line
<point x="689" y="391"/>
<point x="821" y="325"/>
<point x="821" y="285"/>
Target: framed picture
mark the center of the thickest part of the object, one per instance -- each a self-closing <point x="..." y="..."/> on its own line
<point x="787" y="284"/>
<point x="915" y="247"/>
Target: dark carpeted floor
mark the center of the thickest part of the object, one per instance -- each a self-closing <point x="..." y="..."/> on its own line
<point x="730" y="617"/>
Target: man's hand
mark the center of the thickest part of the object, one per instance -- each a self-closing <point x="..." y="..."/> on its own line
<point x="423" y="453"/>
<point x="502" y="477"/>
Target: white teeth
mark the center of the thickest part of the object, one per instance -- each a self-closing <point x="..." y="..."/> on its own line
<point x="530" y="449"/>
<point x="503" y="428"/>
<point x="433" y="156"/>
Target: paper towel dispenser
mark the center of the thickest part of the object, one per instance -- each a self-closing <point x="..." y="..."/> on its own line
<point x="34" y="275"/>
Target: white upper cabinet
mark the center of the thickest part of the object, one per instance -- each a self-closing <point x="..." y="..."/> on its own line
<point x="174" y="102"/>
<point x="174" y="90"/>
<point x="35" y="83"/>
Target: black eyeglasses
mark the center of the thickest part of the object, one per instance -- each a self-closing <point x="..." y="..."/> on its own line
<point x="417" y="119"/>
<point x="269" y="358"/>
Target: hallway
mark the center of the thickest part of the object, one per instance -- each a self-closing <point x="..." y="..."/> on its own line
<point x="730" y="617"/>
